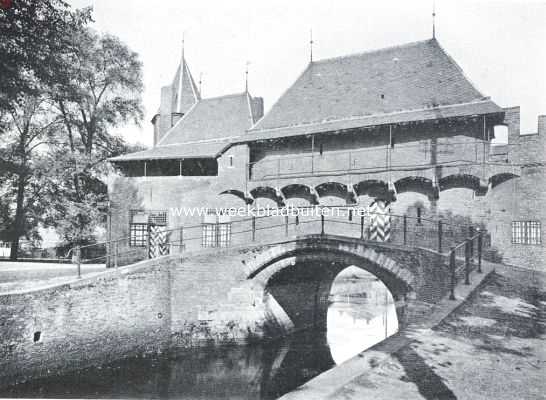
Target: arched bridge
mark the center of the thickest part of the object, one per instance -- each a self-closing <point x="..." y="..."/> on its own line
<point x="265" y="277"/>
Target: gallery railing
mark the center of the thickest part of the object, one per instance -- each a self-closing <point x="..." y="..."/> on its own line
<point x="418" y="156"/>
<point x="462" y="245"/>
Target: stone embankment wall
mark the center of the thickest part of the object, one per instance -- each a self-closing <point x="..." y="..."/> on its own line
<point x="178" y="302"/>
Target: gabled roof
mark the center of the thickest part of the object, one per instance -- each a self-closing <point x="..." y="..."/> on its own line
<point x="184" y="89"/>
<point x="205" y="130"/>
<point x="407" y="82"/>
<point x="213" y="119"/>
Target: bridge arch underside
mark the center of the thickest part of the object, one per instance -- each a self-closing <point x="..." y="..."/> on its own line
<point x="299" y="282"/>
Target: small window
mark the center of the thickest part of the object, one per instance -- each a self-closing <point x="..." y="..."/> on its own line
<point x="526" y="232"/>
<point x="216" y="230"/>
<point x="139" y="221"/>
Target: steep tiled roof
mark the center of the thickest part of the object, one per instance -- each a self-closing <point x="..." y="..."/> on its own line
<point x="213" y="118"/>
<point x="205" y="130"/>
<point x="185" y="89"/>
<point x="416" y="80"/>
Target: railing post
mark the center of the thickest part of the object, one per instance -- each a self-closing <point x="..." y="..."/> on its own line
<point x="471" y="235"/>
<point x="116" y="254"/>
<point x="79" y="260"/>
<point x="286" y="225"/>
<point x="322" y="224"/>
<point x="440" y="234"/>
<point x="452" y="269"/>
<point x="362" y="227"/>
<point x="467" y="261"/>
<point x="181" y="239"/>
<point x="480" y="245"/>
<point x="253" y="228"/>
<point x="148" y="239"/>
<point x="405" y="230"/>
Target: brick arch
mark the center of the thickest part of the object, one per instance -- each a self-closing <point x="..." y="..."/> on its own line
<point x="267" y="192"/>
<point x="269" y="262"/>
<point x="497" y="179"/>
<point x="237" y="193"/>
<point x="417" y="184"/>
<point x="372" y="187"/>
<point x="297" y="277"/>
<point x="300" y="192"/>
<point x="460" y="181"/>
<point x="335" y="189"/>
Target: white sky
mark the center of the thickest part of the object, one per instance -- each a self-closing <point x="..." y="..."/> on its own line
<point x="501" y="45"/>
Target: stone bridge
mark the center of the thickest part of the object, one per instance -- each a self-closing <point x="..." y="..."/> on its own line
<point x="214" y="296"/>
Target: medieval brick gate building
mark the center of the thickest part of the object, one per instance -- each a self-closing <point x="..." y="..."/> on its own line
<point x="396" y="125"/>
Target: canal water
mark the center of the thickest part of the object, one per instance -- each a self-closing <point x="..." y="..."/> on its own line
<point x="361" y="314"/>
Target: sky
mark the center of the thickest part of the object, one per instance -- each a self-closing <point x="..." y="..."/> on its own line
<point x="501" y="45"/>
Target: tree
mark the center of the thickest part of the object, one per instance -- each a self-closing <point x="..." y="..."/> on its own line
<point x="31" y="128"/>
<point x="102" y="93"/>
<point x="35" y="35"/>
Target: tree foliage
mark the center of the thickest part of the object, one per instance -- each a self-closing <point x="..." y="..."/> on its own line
<point x="35" y="35"/>
<point x="64" y="91"/>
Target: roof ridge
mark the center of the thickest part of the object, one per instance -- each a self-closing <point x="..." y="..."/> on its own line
<point x="224" y="96"/>
<point x="378" y="50"/>
<point x="355" y="117"/>
<point x="177" y="123"/>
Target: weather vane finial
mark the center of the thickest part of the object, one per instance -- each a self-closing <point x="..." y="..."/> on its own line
<point x="246" y="76"/>
<point x="311" y="45"/>
<point x="434" y="19"/>
<point x="183" y="43"/>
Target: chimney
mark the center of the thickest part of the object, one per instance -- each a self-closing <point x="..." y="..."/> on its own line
<point x="257" y="108"/>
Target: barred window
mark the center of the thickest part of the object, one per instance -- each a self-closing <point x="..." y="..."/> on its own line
<point x="216" y="230"/>
<point x="139" y="221"/>
<point x="138" y="235"/>
<point x="526" y="232"/>
<point x="209" y="235"/>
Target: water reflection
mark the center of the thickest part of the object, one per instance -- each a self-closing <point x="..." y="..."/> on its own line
<point x="361" y="313"/>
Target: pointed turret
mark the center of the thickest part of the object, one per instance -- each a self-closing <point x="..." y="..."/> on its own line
<point x="176" y="100"/>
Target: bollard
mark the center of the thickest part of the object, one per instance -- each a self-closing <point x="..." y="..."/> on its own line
<point x="322" y="224"/>
<point x="467" y="261"/>
<point x="362" y="227"/>
<point x="297" y="220"/>
<point x="79" y="261"/>
<point x="452" y="270"/>
<point x="286" y="225"/>
<point x="253" y="228"/>
<point x="440" y="234"/>
<point x="480" y="245"/>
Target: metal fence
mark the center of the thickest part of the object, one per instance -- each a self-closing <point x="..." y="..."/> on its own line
<point x="462" y="245"/>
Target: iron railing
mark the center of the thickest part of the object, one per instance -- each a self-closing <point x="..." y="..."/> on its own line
<point x="462" y="245"/>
